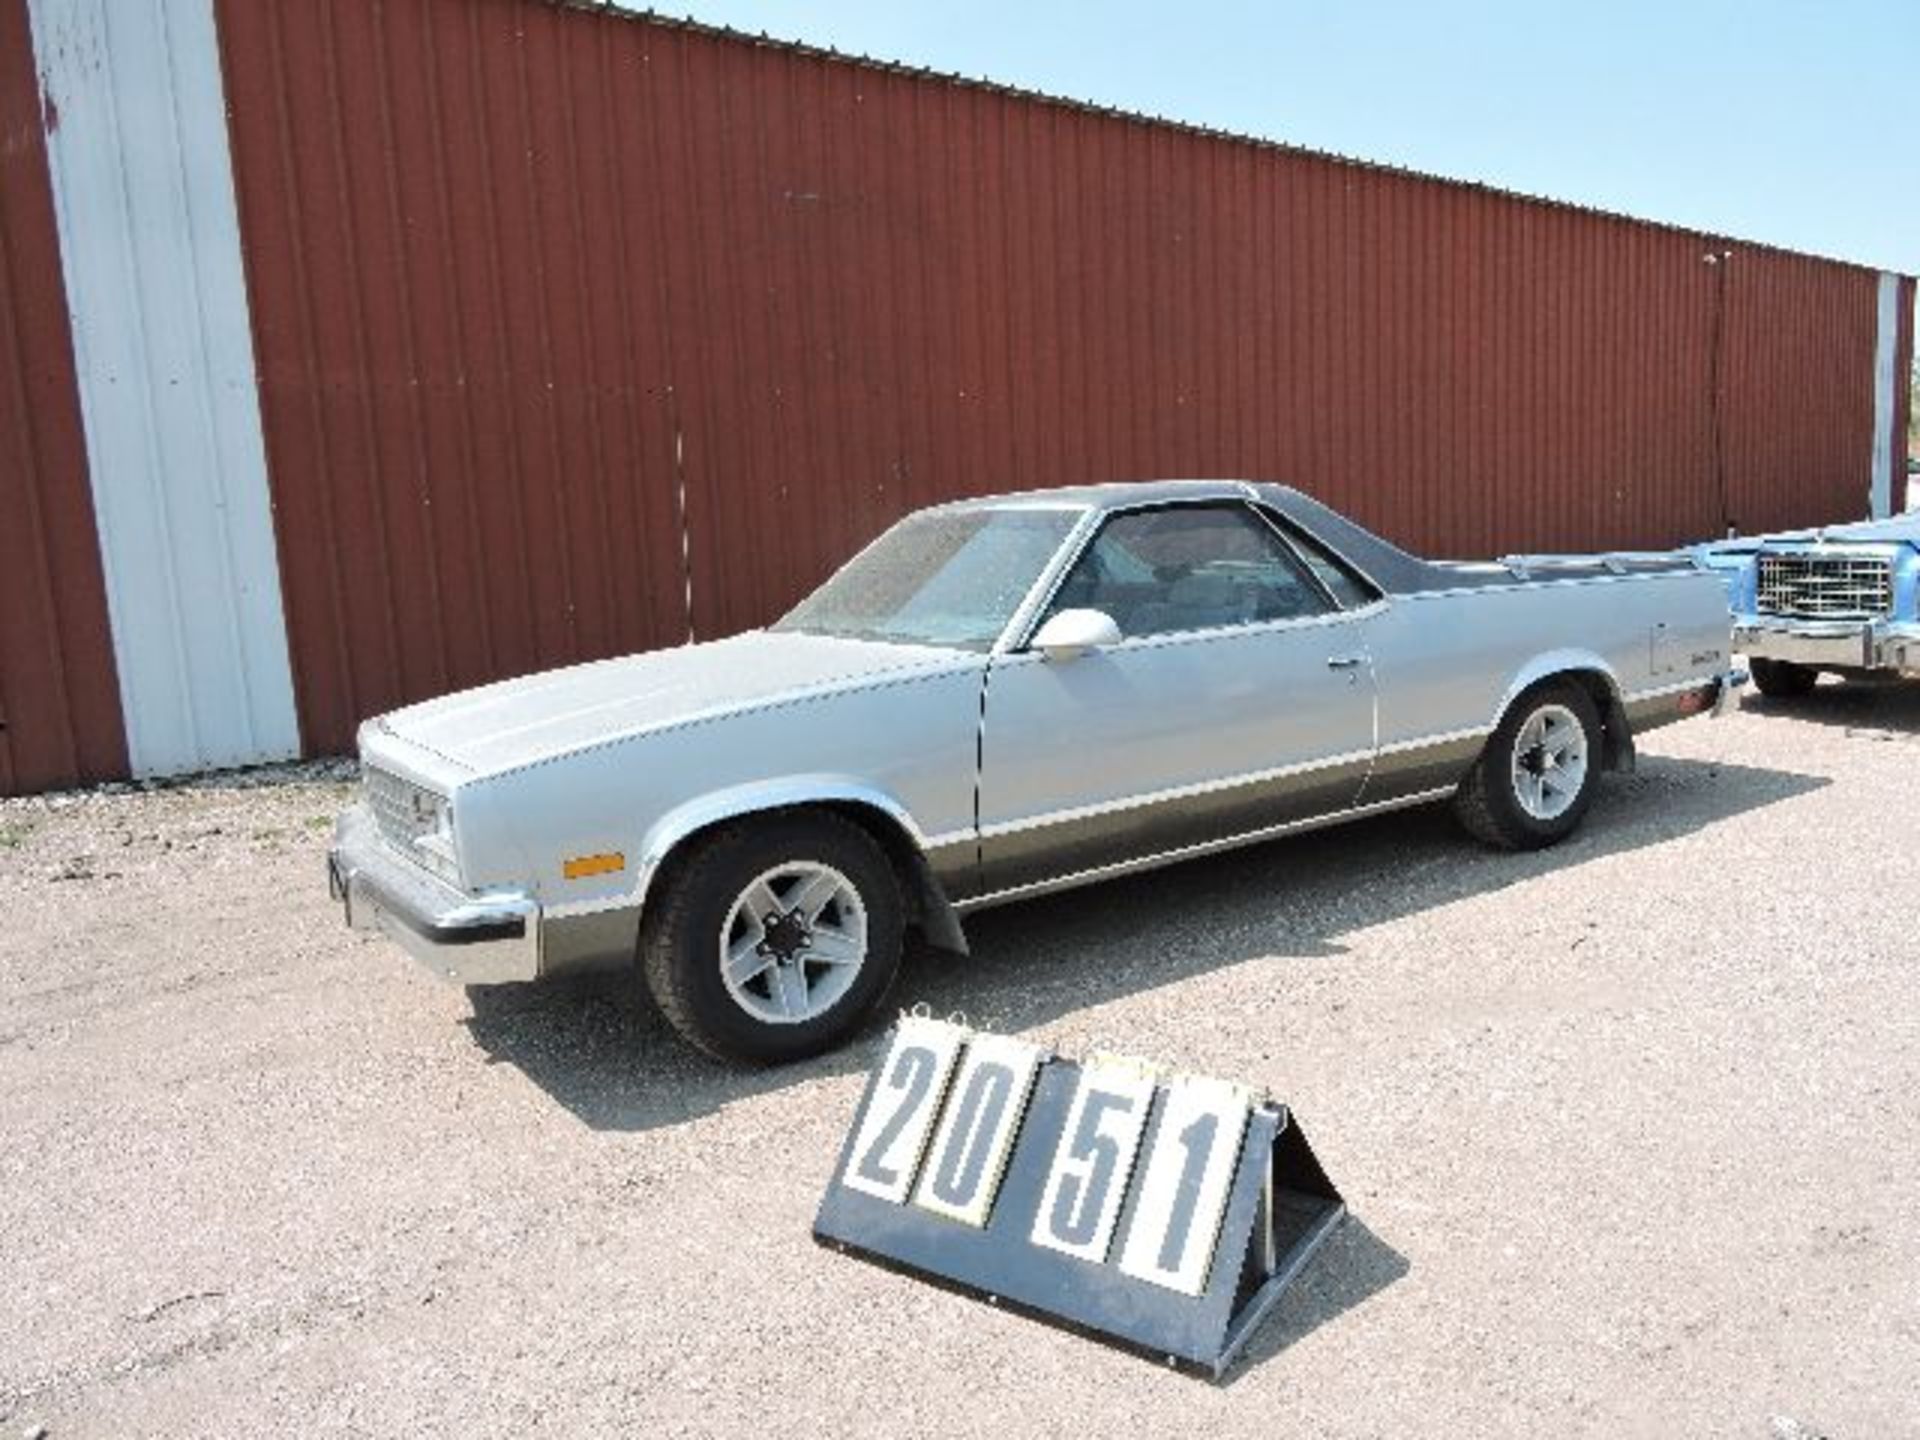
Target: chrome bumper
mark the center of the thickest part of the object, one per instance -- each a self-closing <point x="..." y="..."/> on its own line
<point x="1831" y="644"/>
<point x="490" y="939"/>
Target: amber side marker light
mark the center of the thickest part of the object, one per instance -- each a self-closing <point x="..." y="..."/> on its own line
<point x="582" y="867"/>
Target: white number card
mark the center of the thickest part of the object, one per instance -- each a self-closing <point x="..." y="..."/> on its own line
<point x="987" y="1102"/>
<point x="1183" y="1189"/>
<point x="886" y="1153"/>
<point x="1094" y="1160"/>
<point x="1105" y="1195"/>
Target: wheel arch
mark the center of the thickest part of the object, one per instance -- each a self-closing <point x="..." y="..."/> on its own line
<point x="1597" y="677"/>
<point x="879" y="814"/>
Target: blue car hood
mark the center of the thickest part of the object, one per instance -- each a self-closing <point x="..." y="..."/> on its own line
<point x="1895" y="530"/>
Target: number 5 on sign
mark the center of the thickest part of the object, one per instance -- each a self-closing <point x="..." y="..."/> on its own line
<point x="1094" y="1160"/>
<point x="886" y="1153"/>
<point x="1183" y="1193"/>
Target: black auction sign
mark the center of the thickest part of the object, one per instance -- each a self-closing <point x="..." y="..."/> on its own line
<point x="1163" y="1212"/>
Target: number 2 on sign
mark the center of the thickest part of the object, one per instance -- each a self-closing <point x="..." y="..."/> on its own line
<point x="1088" y="1177"/>
<point x="886" y="1154"/>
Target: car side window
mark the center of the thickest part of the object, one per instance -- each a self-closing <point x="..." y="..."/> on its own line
<point x="1189" y="567"/>
<point x="1340" y="578"/>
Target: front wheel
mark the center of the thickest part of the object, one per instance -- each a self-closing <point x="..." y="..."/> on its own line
<point x="1535" y="780"/>
<point x="1783" y="680"/>
<point x="775" y="937"/>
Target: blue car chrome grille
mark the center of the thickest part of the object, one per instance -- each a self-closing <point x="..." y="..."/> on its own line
<point x="1827" y="587"/>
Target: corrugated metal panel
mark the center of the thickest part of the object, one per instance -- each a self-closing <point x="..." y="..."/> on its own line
<point x="59" y="705"/>
<point x="150" y="251"/>
<point x="1797" y="416"/>
<point x="578" y="330"/>
<point x="453" y="217"/>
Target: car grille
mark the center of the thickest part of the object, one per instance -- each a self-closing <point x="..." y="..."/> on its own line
<point x="1839" y="587"/>
<point x="400" y="809"/>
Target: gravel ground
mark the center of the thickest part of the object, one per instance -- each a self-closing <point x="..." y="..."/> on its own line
<point x="1628" y="1130"/>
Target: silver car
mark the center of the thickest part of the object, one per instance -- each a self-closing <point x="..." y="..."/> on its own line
<point x="998" y="698"/>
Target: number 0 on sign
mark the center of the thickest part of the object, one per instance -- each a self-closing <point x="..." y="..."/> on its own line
<point x="1183" y="1193"/>
<point x="913" y="1080"/>
<point x="975" y="1135"/>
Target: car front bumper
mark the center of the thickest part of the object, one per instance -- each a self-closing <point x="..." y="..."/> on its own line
<point x="490" y="939"/>
<point x="1830" y="644"/>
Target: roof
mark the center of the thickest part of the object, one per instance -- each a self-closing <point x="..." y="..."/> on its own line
<point x="1112" y="494"/>
<point x="623" y="11"/>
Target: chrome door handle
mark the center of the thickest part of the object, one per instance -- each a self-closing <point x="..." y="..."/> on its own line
<point x="1345" y="662"/>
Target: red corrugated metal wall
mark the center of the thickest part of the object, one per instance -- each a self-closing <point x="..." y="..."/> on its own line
<point x="566" y="316"/>
<point x="59" y="695"/>
<point x="1796" y="397"/>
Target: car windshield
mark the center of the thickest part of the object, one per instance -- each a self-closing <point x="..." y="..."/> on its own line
<point x="942" y="577"/>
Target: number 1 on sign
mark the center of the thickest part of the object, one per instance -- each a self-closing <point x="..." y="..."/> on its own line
<point x="1183" y="1194"/>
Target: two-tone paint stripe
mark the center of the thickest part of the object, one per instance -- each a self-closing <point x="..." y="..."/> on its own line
<point x="1062" y="849"/>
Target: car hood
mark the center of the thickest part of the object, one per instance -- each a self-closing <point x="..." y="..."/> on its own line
<point x="1895" y="530"/>
<point x="536" y="717"/>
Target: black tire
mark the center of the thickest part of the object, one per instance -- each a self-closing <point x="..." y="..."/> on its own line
<point x="680" y="937"/>
<point x="1488" y="803"/>
<point x="1783" y="680"/>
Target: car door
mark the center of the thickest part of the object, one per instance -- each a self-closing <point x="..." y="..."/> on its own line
<point x="1239" y="698"/>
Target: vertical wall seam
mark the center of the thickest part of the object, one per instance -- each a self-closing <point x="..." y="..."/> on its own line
<point x="502" y="342"/>
<point x="409" y="329"/>
<point x="541" y="307"/>
<point x="599" y="479"/>
<point x="672" y="340"/>
<point x="631" y="427"/>
<point x="464" y="378"/>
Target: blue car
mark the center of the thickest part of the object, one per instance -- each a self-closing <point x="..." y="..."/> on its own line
<point x="1843" y="599"/>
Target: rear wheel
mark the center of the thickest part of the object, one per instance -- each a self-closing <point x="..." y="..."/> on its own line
<point x="1783" y="680"/>
<point x="774" y="937"/>
<point x="1535" y="780"/>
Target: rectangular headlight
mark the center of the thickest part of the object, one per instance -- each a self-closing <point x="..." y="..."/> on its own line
<point x="435" y="844"/>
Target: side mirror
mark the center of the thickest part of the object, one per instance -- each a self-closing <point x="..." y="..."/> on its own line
<point x="1071" y="633"/>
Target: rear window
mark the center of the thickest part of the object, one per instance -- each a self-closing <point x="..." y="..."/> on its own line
<point x="1346" y="584"/>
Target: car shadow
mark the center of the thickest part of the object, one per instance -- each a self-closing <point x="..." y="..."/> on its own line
<point x="608" y="1058"/>
<point x="1872" y="709"/>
